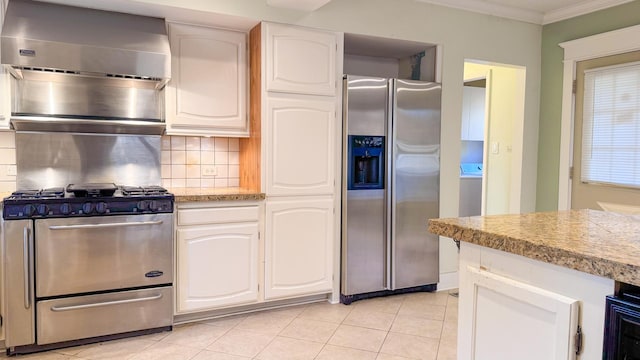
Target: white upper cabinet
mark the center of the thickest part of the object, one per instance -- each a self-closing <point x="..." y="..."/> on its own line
<point x="298" y="247"/>
<point x="207" y="94"/>
<point x="300" y="60"/>
<point x="473" y="113"/>
<point x="301" y="146"/>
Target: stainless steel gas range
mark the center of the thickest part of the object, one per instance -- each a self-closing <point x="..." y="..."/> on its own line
<point x="85" y="263"/>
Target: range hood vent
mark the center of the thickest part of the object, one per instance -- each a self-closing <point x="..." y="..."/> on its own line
<point x="17" y="69"/>
<point x="51" y="36"/>
<point x="83" y="70"/>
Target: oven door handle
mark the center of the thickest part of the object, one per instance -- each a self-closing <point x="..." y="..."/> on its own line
<point x="26" y="262"/>
<point x="105" y="303"/>
<point x="109" y="225"/>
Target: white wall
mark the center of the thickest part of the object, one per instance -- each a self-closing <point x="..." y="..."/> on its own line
<point x="462" y="34"/>
<point x="371" y="66"/>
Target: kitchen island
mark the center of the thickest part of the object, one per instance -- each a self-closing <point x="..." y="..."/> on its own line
<point x="528" y="281"/>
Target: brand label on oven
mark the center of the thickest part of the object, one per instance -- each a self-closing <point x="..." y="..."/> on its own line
<point x="154" y="273"/>
<point x="27" y="52"/>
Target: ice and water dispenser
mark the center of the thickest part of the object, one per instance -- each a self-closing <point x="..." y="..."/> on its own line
<point x="366" y="162"/>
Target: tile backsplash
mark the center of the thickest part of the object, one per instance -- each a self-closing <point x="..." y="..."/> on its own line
<point x="7" y="161"/>
<point x="200" y="162"/>
<point x="187" y="161"/>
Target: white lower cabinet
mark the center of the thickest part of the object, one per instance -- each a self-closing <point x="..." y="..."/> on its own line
<point x="545" y="322"/>
<point x="299" y="237"/>
<point x="217" y="262"/>
<point x="512" y="307"/>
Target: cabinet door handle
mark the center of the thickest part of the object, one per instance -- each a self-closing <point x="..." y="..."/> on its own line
<point x="106" y="303"/>
<point x="26" y="273"/>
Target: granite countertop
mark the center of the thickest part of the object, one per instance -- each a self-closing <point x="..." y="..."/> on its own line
<point x="215" y="194"/>
<point x="596" y="242"/>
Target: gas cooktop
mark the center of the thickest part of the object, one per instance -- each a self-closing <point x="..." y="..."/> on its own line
<point x="95" y="199"/>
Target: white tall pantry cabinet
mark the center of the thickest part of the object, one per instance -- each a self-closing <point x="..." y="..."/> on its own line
<point x="300" y="72"/>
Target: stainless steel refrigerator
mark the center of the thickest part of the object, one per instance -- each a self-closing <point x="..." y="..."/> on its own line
<point x="391" y="167"/>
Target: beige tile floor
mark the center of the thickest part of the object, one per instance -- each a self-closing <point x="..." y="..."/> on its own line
<point x="409" y="326"/>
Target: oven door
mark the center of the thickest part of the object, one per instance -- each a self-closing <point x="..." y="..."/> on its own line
<point x="81" y="255"/>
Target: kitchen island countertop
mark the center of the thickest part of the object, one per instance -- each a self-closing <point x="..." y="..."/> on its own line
<point x="215" y="194"/>
<point x="600" y="243"/>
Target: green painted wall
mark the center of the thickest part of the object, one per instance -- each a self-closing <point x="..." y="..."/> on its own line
<point x="551" y="88"/>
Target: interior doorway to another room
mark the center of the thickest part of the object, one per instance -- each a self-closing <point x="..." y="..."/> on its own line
<point x="500" y="141"/>
<point x="472" y="146"/>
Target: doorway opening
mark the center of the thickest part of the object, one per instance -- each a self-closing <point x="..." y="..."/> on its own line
<point x="501" y="138"/>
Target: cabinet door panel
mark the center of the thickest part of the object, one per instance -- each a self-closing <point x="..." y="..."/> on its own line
<point x="298" y="247"/>
<point x="217" y="266"/>
<point x="207" y="93"/>
<point x="546" y="320"/>
<point x="300" y="147"/>
<point x="300" y="60"/>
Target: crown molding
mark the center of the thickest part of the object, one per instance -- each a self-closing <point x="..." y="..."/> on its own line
<point x="530" y="16"/>
<point x="582" y="8"/>
<point x="302" y="5"/>
<point x="487" y="8"/>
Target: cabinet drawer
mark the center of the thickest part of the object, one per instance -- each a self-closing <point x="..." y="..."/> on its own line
<point x="217" y="215"/>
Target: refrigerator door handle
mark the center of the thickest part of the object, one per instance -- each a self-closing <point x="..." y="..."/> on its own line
<point x="390" y="188"/>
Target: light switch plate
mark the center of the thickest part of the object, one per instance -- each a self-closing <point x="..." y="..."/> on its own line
<point x="495" y="147"/>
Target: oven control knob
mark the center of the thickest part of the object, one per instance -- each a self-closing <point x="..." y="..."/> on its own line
<point x="143" y="205"/>
<point x="29" y="210"/>
<point x="65" y="209"/>
<point x="153" y="205"/>
<point x="87" y="208"/>
<point x="101" y="207"/>
<point x="43" y="209"/>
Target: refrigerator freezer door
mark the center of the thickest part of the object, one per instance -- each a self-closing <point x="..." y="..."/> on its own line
<point x="415" y="183"/>
<point x="364" y="230"/>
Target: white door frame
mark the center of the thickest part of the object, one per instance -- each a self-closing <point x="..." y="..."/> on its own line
<point x="591" y="47"/>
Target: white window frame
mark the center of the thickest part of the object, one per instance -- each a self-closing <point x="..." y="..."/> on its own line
<point x="592" y="47"/>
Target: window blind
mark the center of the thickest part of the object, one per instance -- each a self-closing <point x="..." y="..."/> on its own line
<point x="611" y="126"/>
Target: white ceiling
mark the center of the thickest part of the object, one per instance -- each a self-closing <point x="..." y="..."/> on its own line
<point x="532" y="11"/>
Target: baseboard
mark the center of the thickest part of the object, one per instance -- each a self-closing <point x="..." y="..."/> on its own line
<point x="448" y="281"/>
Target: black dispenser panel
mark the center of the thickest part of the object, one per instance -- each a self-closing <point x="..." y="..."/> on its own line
<point x="366" y="162"/>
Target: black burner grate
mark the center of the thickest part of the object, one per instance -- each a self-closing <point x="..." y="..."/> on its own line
<point x="143" y="190"/>
<point x="50" y="193"/>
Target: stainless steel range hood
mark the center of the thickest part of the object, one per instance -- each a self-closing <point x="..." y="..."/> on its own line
<point x="85" y="70"/>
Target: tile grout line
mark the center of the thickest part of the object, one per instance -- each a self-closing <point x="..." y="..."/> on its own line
<point x="388" y="331"/>
<point x="334" y="331"/>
